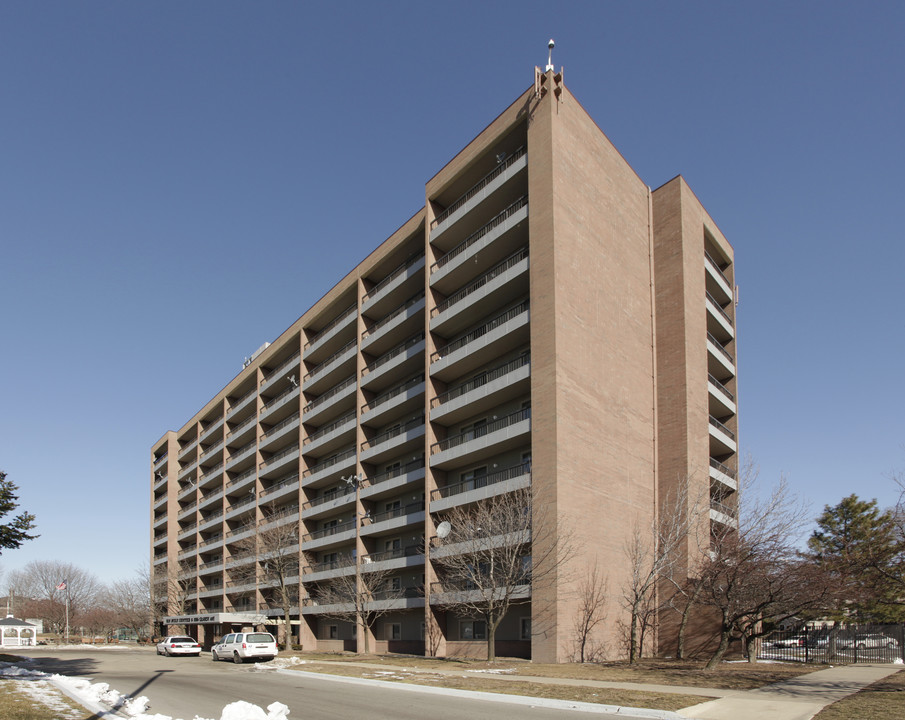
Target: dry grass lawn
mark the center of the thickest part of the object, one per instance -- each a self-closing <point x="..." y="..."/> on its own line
<point x="884" y="700"/>
<point x="17" y="705"/>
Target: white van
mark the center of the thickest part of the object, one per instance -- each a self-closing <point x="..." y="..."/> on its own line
<point x="239" y="647"/>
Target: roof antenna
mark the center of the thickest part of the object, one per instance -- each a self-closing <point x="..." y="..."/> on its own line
<point x="550" y="45"/>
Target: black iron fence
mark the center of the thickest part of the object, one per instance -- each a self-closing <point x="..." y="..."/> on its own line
<point x="840" y="644"/>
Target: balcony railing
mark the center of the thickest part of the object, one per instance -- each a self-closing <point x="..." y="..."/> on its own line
<point x="242" y="478"/>
<point x="716" y="304"/>
<point x="280" y="399"/>
<point x="326" y="363"/>
<point x="338" y="493"/>
<point x="411" y="466"/>
<point x="393" y="432"/>
<point x="397" y="512"/>
<point x="333" y="392"/>
<point x="399" y="271"/>
<point x="472" y="287"/>
<point x="239" y="400"/>
<point x="279" y="456"/>
<point x="241" y="426"/>
<point x="720" y="385"/>
<point x="720" y="507"/>
<point x="342" y="562"/>
<point x="390" y="394"/>
<point x="291" y="480"/>
<point x="715" y="265"/>
<point x="395" y="352"/>
<point x="279" y="427"/>
<point x="284" y="366"/>
<point x="481" y="379"/>
<point x="329" y="462"/>
<point x="480" y="185"/>
<point x="330" y="531"/>
<point x="496" y="322"/>
<point x="340" y="319"/>
<point x="394" y="554"/>
<point x="384" y="321"/>
<point x="725" y="469"/>
<point x="327" y="429"/>
<point x="498" y="424"/>
<point x="480" y="233"/>
<point x="719" y="346"/>
<point x="510" y="473"/>
<point x="719" y="426"/>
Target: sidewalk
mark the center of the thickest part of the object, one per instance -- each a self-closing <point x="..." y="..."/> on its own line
<point x="799" y="698"/>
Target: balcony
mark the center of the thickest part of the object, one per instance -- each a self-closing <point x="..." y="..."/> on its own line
<point x="278" y="432"/>
<point x="396" y="559"/>
<point x="394" y="520"/>
<point x="404" y="320"/>
<point x="241" y="454"/>
<point x="329" y="469"/>
<point x="393" y="365"/>
<point x="160" y="480"/>
<point x="393" y="441"/>
<point x="503" y="180"/>
<point x="321" y="571"/>
<point x="245" y="478"/>
<point x="280" y="489"/>
<point x="240" y="506"/>
<point x="722" y="439"/>
<point x="329" y="502"/>
<point x="332" y="402"/>
<point x="391" y="481"/>
<point x="280" y="461"/>
<point x="505" y="433"/>
<point x="187" y="470"/>
<point x="484" y="391"/>
<point x="285" y="367"/>
<point x="400" y="282"/>
<point x="187" y="449"/>
<point x="723" y="476"/>
<point x="332" y="336"/>
<point x="400" y="400"/>
<point x="214" y="428"/>
<point x="242" y="431"/>
<point x="720" y="362"/>
<point x="496" y="288"/>
<point x="507" y="331"/>
<point x="283" y="401"/>
<point x="722" y="402"/>
<point x="481" y="487"/>
<point x="718" y="321"/>
<point x="209" y="543"/>
<point x="718" y="284"/>
<point x="331" y="536"/>
<point x="207" y="521"/>
<point x="325" y="374"/>
<point x="446" y="594"/>
<point x="241" y="402"/>
<point x="331" y="436"/>
<point x="722" y="514"/>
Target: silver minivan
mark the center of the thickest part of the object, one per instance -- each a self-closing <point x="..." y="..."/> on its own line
<point x="240" y="647"/>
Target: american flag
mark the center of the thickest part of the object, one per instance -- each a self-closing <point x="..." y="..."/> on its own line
<point x="62" y="585"/>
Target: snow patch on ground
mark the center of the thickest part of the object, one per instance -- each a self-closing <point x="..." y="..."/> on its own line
<point x="40" y="684"/>
<point x="495" y="671"/>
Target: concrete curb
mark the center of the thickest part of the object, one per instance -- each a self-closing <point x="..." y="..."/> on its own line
<point x="498" y="697"/>
<point x="90" y="706"/>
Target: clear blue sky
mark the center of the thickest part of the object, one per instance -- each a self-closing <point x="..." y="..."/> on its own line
<point x="179" y="182"/>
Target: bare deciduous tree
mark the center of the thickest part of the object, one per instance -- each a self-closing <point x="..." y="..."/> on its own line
<point x="754" y="575"/>
<point x="276" y="545"/>
<point x="496" y="549"/>
<point x="360" y="597"/>
<point x="589" y="615"/>
<point x="130" y="600"/>
<point x="651" y="554"/>
<point x="41" y="580"/>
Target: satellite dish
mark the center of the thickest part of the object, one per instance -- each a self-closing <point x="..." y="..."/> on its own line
<point x="443" y="529"/>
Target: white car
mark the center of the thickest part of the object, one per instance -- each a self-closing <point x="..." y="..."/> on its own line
<point x="240" y="647"/>
<point x="178" y="645"/>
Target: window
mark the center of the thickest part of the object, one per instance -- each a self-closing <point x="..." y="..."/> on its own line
<point x="392" y="508"/>
<point x="394" y="584"/>
<point x="391" y="545"/>
<point x="525" y="628"/>
<point x="473" y="630"/>
<point x="394" y="631"/>
<point x="476" y="429"/>
<point x="476" y="478"/>
<point x="332" y="632"/>
<point x="393" y="469"/>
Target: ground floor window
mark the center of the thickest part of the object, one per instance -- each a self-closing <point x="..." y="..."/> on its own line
<point x="394" y="631"/>
<point x="332" y="632"/>
<point x="473" y="630"/>
<point x="525" y="628"/>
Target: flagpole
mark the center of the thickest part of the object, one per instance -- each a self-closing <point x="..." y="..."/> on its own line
<point x="67" y="616"/>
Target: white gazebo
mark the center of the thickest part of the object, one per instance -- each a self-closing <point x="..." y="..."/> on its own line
<point x="15" y="632"/>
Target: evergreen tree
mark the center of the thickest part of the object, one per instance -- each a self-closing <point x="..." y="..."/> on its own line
<point x="857" y="543"/>
<point x="16" y="532"/>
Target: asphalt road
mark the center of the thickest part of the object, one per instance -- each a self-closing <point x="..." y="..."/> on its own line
<point x="183" y="687"/>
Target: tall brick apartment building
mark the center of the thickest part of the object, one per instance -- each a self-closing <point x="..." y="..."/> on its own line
<point x="544" y="321"/>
